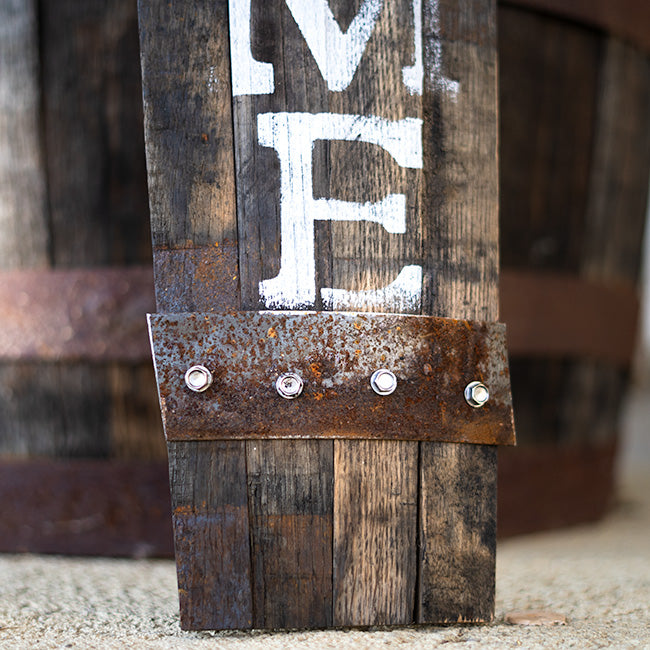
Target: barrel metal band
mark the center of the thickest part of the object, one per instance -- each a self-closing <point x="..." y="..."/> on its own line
<point x="335" y="354"/>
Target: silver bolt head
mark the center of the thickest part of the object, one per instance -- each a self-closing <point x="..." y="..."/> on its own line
<point x="476" y="394"/>
<point x="383" y="382"/>
<point x="289" y="385"/>
<point x="198" y="378"/>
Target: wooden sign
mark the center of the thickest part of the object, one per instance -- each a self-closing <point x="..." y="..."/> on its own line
<point x="315" y="155"/>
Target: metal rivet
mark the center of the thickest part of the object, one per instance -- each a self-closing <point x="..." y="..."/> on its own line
<point x="289" y="385"/>
<point x="383" y="382"/>
<point x="198" y="378"/>
<point x="476" y="394"/>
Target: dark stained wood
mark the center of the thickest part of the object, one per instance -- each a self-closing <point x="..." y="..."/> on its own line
<point x="292" y="580"/>
<point x="626" y="19"/>
<point x="357" y="256"/>
<point x="210" y="518"/>
<point x="458" y="533"/>
<point x="457" y="520"/>
<point x="188" y="129"/>
<point x="586" y="217"/>
<point x="548" y="76"/>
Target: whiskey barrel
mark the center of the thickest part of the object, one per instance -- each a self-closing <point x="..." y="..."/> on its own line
<point x="73" y="199"/>
<point x="79" y="423"/>
<point x="574" y="165"/>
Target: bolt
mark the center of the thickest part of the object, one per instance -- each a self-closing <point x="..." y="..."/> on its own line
<point x="198" y="378"/>
<point x="289" y="385"/>
<point x="383" y="381"/>
<point x="476" y="394"/>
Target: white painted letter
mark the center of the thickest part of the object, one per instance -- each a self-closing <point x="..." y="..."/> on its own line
<point x="337" y="54"/>
<point x="249" y="77"/>
<point x="404" y="295"/>
<point x="293" y="135"/>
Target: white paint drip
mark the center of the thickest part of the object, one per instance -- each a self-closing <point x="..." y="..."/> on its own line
<point x="336" y="53"/>
<point x="403" y="295"/>
<point x="293" y="135"/>
<point x="249" y="77"/>
<point x="433" y="54"/>
<point x="413" y="75"/>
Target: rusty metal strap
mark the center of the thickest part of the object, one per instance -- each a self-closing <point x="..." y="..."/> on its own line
<point x="334" y="354"/>
<point x="561" y="315"/>
<point x="75" y="315"/>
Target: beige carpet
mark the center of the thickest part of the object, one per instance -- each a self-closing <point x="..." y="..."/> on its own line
<point x="597" y="576"/>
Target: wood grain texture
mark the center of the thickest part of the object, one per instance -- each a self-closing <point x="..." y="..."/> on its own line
<point x="188" y="132"/>
<point x="458" y="533"/>
<point x="457" y="524"/>
<point x="210" y="520"/>
<point x="357" y="256"/>
<point x="290" y="495"/>
<point x="376" y="495"/>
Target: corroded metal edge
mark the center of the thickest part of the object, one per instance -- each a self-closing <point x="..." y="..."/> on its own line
<point x="335" y="353"/>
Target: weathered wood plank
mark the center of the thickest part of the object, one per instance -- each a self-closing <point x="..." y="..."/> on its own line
<point x="210" y="519"/>
<point x="291" y="494"/>
<point x="375" y="515"/>
<point x="280" y="556"/>
<point x="188" y="129"/>
<point x="457" y="524"/>
<point x="347" y="171"/>
<point x="376" y="494"/>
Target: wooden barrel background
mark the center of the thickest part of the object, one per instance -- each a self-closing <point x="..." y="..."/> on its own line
<point x="82" y="455"/>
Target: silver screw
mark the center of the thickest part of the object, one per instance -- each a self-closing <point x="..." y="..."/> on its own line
<point x="476" y="394"/>
<point x="383" y="382"/>
<point x="289" y="385"/>
<point x="198" y="378"/>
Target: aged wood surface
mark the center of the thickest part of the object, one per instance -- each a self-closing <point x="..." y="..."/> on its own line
<point x="210" y="520"/>
<point x="24" y="240"/>
<point x="335" y="525"/>
<point x="357" y="256"/>
<point x="361" y="256"/>
<point x="457" y="534"/>
<point x="290" y="500"/>
<point x="188" y="131"/>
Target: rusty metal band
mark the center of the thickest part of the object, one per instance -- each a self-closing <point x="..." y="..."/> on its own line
<point x="85" y="507"/>
<point x="99" y="314"/>
<point x="628" y="19"/>
<point x="560" y="315"/>
<point x="335" y="354"/>
<point x="75" y="315"/>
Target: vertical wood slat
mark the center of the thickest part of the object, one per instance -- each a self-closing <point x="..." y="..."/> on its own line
<point x="291" y="510"/>
<point x="188" y="129"/>
<point x="457" y="525"/>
